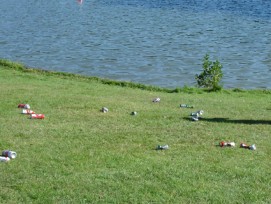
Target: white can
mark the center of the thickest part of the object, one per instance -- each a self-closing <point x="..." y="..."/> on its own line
<point x="9" y="154"/>
<point x="4" y="159"/>
<point x="27" y="111"/>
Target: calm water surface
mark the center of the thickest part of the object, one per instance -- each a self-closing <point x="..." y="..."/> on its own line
<point x="156" y="42"/>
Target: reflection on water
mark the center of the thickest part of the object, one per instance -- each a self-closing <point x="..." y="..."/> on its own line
<point x="147" y="41"/>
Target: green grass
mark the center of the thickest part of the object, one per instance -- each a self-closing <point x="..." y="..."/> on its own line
<point x="78" y="154"/>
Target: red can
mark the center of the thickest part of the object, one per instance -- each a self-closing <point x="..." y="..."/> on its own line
<point x="37" y="116"/>
<point x="25" y="106"/>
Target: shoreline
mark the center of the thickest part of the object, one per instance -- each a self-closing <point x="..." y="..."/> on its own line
<point x="185" y="89"/>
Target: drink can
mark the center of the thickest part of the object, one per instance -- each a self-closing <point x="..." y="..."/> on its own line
<point x="162" y="147"/>
<point x="37" y="116"/>
<point x="226" y="144"/>
<point x="156" y="100"/>
<point x="252" y="147"/>
<point x="10" y="154"/>
<point x="4" y="159"/>
<point x="25" y="106"/>
<point x="186" y="106"/>
<point x="104" y="110"/>
<point x="27" y="111"/>
<point x="243" y="145"/>
<point x="194" y="118"/>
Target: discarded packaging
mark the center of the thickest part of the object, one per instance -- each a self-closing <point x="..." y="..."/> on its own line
<point x="104" y="110"/>
<point x="194" y="118"/>
<point x="133" y="113"/>
<point x="196" y="115"/>
<point x="245" y="146"/>
<point x="162" y="147"/>
<point x="226" y="144"/>
<point x="27" y="111"/>
<point x="37" y="116"/>
<point x="4" y="159"/>
<point x="10" y="154"/>
<point x="186" y="106"/>
<point x="25" y="106"/>
<point x="156" y="100"/>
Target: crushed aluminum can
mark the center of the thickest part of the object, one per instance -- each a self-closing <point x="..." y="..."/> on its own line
<point x="4" y="159"/>
<point x="227" y="144"/>
<point x="186" y="106"/>
<point x="27" y="111"/>
<point x="245" y="146"/>
<point x="37" y="116"/>
<point x="162" y="147"/>
<point x="25" y="106"/>
<point x="104" y="110"/>
<point x="252" y="147"/>
<point x="194" y="118"/>
<point x="156" y="100"/>
<point x="198" y="113"/>
<point x="10" y="154"/>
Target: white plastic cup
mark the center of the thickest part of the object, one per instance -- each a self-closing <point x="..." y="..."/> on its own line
<point x="9" y="154"/>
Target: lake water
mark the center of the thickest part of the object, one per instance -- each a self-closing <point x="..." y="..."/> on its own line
<point x="155" y="42"/>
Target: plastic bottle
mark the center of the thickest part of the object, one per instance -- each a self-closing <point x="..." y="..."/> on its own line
<point x="10" y="154"/>
<point x="37" y="116"/>
<point x="4" y="159"/>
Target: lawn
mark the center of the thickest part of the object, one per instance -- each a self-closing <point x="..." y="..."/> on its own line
<point x="78" y="154"/>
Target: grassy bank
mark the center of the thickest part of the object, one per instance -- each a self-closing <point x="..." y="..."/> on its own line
<point x="78" y="154"/>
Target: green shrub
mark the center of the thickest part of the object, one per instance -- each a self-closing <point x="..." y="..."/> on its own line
<point x="211" y="74"/>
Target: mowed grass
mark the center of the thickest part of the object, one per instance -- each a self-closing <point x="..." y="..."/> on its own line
<point x="78" y="154"/>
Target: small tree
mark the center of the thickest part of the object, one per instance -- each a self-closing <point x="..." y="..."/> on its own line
<point x="211" y="75"/>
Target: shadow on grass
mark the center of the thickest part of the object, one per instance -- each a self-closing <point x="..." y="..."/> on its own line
<point x="227" y="120"/>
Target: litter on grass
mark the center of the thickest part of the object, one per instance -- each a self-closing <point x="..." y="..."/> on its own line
<point x="155" y="100"/>
<point x="4" y="159"/>
<point x="162" y="147"/>
<point x="186" y="106"/>
<point x="227" y="144"/>
<point x="104" y="109"/>
<point x="37" y="116"/>
<point x="25" y="106"/>
<point x="245" y="146"/>
<point x="10" y="154"/>
<point x="195" y="116"/>
<point x="27" y="111"/>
